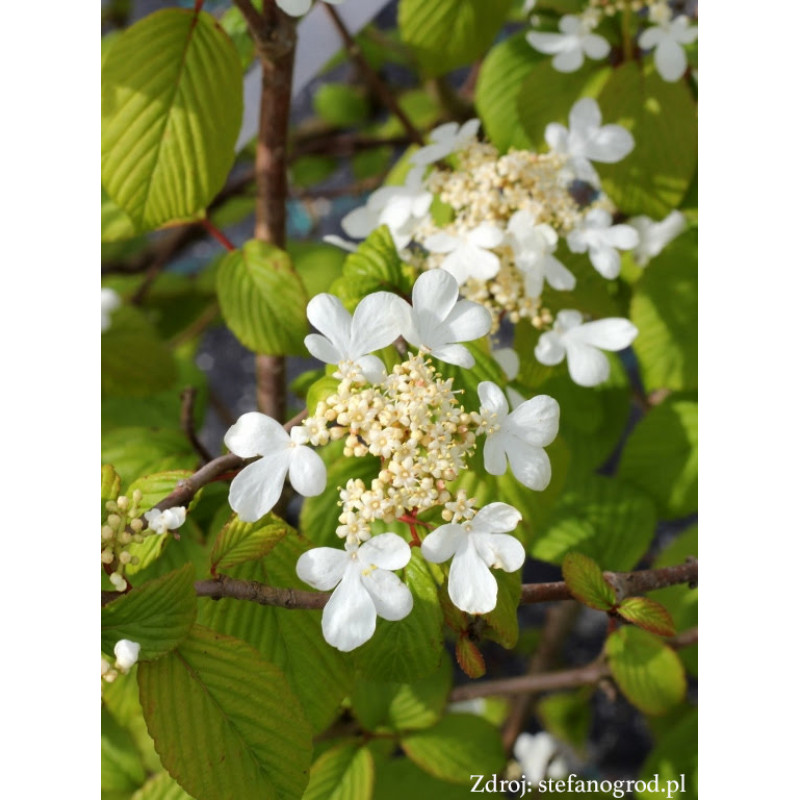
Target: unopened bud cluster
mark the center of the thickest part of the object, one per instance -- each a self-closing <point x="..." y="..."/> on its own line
<point x="414" y="423"/>
<point x="121" y="529"/>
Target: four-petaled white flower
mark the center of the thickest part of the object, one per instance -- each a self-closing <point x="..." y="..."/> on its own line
<point x="469" y="255"/>
<point x="475" y="546"/>
<point x="655" y="236"/>
<point x="521" y="435"/>
<point x="596" y="234"/>
<point x="375" y="324"/>
<point x="296" y="8"/>
<point x="167" y="520"/>
<point x="575" y="41"/>
<point x="582" y="342"/>
<point x="587" y="140"/>
<point x="127" y="653"/>
<point x="109" y="301"/>
<point x="539" y="756"/>
<point x="668" y="38"/>
<point x="366" y="587"/>
<point x="256" y="489"/>
<point x="438" y="320"/>
<point x="400" y="208"/>
<point x="448" y="138"/>
<point x="533" y="247"/>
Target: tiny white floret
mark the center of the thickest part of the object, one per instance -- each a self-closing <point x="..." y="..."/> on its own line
<point x="167" y="520"/>
<point x="569" y="47"/>
<point x="127" y="653"/>
<point x="668" y="38"/>
<point x="109" y="301"/>
<point x="655" y="236"/>
<point x="448" y="138"/>
<point x="539" y="756"/>
<point x="596" y="234"/>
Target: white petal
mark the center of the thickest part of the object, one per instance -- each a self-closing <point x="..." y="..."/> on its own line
<point x="327" y="314"/>
<point x="534" y="282"/>
<point x="441" y="243"/>
<point x="486" y="236"/>
<point x="434" y="295"/>
<point x="508" y="359"/>
<point x="536" y="420"/>
<point x="454" y="354"/>
<point x="445" y="133"/>
<point x="605" y="260"/>
<point x="568" y="318"/>
<point x="569" y="60"/>
<point x="576" y="241"/>
<point x="338" y="241"/>
<point x="651" y="37"/>
<point x="294" y="8"/>
<point x="376" y="323"/>
<point x="494" y="454"/>
<point x="349" y="617"/>
<point x="471" y="585"/>
<point x="373" y="369"/>
<point x="256" y="489"/>
<point x="531" y="465"/>
<point x="387" y="551"/>
<point x="558" y="276"/>
<point x="255" y="434"/>
<point x="615" y="333"/>
<point x="544" y="42"/>
<point x="493" y="401"/>
<point x="390" y="596"/>
<point x="478" y="263"/>
<point x="556" y="136"/>
<point x="307" y="471"/>
<point x="584" y="117"/>
<point x="549" y="349"/>
<point x="500" y="551"/>
<point x="321" y="348"/>
<point x="468" y="321"/>
<point x="610" y="144"/>
<point x="431" y="153"/>
<point x="623" y="237"/>
<point x="360" y="222"/>
<point x="595" y="46"/>
<point x="670" y="60"/>
<point x="587" y="365"/>
<point x="443" y="542"/>
<point x="322" y="567"/>
<point x="497" y="518"/>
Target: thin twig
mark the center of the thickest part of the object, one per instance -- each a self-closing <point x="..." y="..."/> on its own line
<point x="188" y="396"/>
<point x="375" y="81"/>
<point x="223" y="586"/>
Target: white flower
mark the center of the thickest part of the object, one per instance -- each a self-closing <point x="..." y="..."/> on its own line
<point x="256" y="489"/>
<point x="296" y="8"/>
<point x="588" y="140"/>
<point x="167" y="520"/>
<point x="596" y="234"/>
<point x="533" y="247"/>
<point x="580" y="341"/>
<point x="448" y="138"/>
<point x="109" y="301"/>
<point x="127" y="653"/>
<point x="538" y="755"/>
<point x="375" y="324"/>
<point x="438" y="320"/>
<point x="668" y="38"/>
<point x="338" y="241"/>
<point x="469" y="254"/>
<point x="400" y="208"/>
<point x="475" y="546"/>
<point x="575" y="40"/>
<point x="366" y="587"/>
<point x="520" y="435"/>
<point x="508" y="359"/>
<point x="655" y="236"/>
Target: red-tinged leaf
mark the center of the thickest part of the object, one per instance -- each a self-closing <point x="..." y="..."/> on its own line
<point x="647" y="614"/>
<point x="586" y="583"/>
<point x="469" y="658"/>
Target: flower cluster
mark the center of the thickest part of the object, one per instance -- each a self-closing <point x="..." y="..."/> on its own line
<point x="412" y="419"/>
<point x="123" y="526"/>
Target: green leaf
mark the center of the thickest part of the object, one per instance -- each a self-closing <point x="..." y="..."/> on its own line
<point x="345" y="772"/>
<point x="306" y="171"/>
<point x="115" y="224"/>
<point x="502" y="625"/>
<point x="341" y="105"/>
<point x="647" y="671"/>
<point x="317" y="264"/>
<point x="403" y="706"/>
<point x="410" y="648"/>
<point x="319" y="675"/>
<point x="109" y="485"/>
<point x="241" y="541"/>
<point x="567" y="715"/>
<point x="319" y="516"/>
<point x="664" y="309"/>
<point x="458" y="746"/>
<point x="500" y="80"/>
<point x="674" y="759"/>
<point x="225" y="721"/>
<point x="662" y="117"/>
<point x="450" y="33"/>
<point x="647" y="614"/>
<point x="548" y="95"/>
<point x="262" y="299"/>
<point x="133" y="359"/>
<point x="371" y="163"/>
<point x="603" y="518"/>
<point x="401" y="779"/>
<point x="121" y="768"/>
<point x="660" y="457"/>
<point x="161" y="787"/>
<point x="374" y="267"/>
<point x="157" y="615"/>
<point x="139" y="451"/>
<point x="586" y="583"/>
<point x="171" y="113"/>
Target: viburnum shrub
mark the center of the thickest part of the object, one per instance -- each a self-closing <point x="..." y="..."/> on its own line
<point x="492" y="261"/>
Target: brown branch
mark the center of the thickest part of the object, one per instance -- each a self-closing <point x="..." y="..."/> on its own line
<point x="188" y="396"/>
<point x="372" y="77"/>
<point x="587" y="675"/>
<point x="223" y="586"/>
<point x="345" y="144"/>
